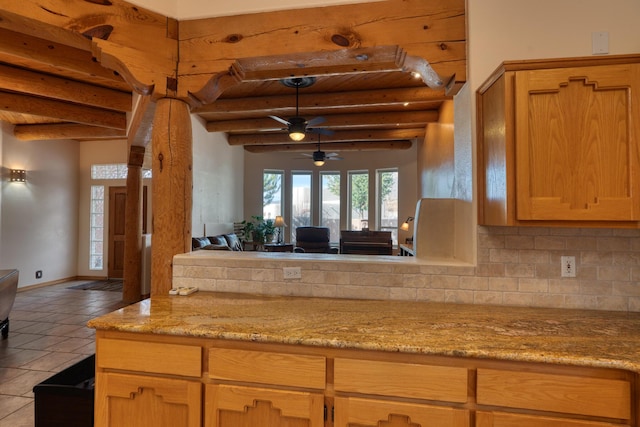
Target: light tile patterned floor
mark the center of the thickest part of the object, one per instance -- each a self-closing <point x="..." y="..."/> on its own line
<point x="47" y="334"/>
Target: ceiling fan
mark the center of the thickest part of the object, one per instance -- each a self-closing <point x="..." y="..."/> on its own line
<point x="298" y="126"/>
<point x="319" y="156"/>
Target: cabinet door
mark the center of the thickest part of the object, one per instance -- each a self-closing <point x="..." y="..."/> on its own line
<point x="356" y="412"/>
<point x="124" y="400"/>
<point x="577" y="133"/>
<point x="499" y="419"/>
<point x="236" y="406"/>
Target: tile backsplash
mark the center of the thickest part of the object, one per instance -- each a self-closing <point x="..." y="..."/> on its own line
<point x="516" y="266"/>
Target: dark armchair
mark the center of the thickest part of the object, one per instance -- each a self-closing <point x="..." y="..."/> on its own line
<point x="314" y="240"/>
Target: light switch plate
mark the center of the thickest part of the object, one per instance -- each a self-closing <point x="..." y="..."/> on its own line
<point x="600" y="43"/>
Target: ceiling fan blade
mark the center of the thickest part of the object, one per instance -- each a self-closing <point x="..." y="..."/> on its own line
<point x="315" y="121"/>
<point x="332" y="155"/>
<point x="283" y="121"/>
<point x="334" y="158"/>
<point x="307" y="155"/>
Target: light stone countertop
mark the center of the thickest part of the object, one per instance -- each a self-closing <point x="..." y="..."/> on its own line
<point x="560" y="336"/>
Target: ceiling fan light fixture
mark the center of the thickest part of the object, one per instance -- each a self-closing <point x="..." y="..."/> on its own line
<point x="296" y="136"/>
<point x="318" y="163"/>
<point x="297" y="128"/>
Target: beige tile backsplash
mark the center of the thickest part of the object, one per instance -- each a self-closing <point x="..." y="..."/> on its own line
<point x="516" y="266"/>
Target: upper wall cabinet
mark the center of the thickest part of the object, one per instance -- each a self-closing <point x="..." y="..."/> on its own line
<point x="558" y="143"/>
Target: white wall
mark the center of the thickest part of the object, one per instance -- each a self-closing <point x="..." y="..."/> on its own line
<point x="515" y="29"/>
<point x="38" y="220"/>
<point x="217" y="182"/>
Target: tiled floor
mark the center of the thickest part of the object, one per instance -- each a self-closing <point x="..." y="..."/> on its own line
<point x="47" y="334"/>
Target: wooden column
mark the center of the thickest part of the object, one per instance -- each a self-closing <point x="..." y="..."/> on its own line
<point x="172" y="189"/>
<point x="132" y="289"/>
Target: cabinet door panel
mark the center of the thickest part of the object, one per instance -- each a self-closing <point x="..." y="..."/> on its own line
<point x="235" y="406"/>
<point x="356" y="412"/>
<point x="576" y="143"/>
<point x="498" y="419"/>
<point x="124" y="400"/>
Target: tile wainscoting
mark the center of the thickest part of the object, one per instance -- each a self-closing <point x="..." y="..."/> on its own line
<point x="516" y="266"/>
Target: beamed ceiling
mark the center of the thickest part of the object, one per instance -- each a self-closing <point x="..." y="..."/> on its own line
<point x="68" y="72"/>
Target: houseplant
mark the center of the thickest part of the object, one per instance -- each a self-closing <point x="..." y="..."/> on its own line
<point x="258" y="229"/>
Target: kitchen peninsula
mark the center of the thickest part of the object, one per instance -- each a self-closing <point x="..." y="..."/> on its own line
<point x="224" y="359"/>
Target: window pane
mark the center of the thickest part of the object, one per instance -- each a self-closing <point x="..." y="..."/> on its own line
<point x="387" y="190"/>
<point x="272" y="193"/>
<point x="358" y="200"/>
<point x="330" y="203"/>
<point x="97" y="231"/>
<point x="300" y="201"/>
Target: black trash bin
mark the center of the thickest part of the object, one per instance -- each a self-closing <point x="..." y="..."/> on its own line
<point x="66" y="399"/>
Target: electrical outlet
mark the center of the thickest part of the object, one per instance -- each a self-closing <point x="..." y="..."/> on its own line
<point x="568" y="266"/>
<point x="39" y="274"/>
<point x="291" y="273"/>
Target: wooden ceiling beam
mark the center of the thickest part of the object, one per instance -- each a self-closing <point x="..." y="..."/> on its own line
<point x="335" y="121"/>
<point x="44" y="85"/>
<point x="63" y="111"/>
<point x="64" y="131"/>
<point x="327" y="100"/>
<point x="23" y="50"/>
<point x="328" y="147"/>
<point x="340" y="136"/>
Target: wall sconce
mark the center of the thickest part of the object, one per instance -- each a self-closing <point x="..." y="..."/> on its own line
<point x="405" y="225"/>
<point x="279" y="224"/>
<point x="18" y="175"/>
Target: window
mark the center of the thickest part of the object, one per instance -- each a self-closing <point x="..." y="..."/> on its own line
<point x="96" y="247"/>
<point x="358" y="200"/>
<point x="300" y="201"/>
<point x="387" y="201"/>
<point x="272" y="193"/>
<point x="114" y="171"/>
<point x="330" y="203"/>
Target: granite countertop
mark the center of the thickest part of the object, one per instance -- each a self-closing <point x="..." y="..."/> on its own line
<point x="561" y="336"/>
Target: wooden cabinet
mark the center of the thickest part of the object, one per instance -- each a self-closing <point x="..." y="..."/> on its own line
<point x="401" y="394"/>
<point x="261" y="399"/>
<point x="559" y="142"/>
<point x="501" y="419"/>
<point x="136" y="399"/>
<point x="571" y="397"/>
<point x="144" y="380"/>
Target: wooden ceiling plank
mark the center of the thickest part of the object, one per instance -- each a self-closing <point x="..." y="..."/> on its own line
<point x="20" y="49"/>
<point x="63" y="111"/>
<point x="334" y="121"/>
<point x="339" y="136"/>
<point x="329" y="100"/>
<point x="33" y="83"/>
<point x="64" y="131"/>
<point x="66" y="21"/>
<point x="337" y="146"/>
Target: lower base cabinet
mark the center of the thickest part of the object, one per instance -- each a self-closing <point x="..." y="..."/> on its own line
<point x="498" y="419"/>
<point x="167" y="381"/>
<point x="234" y="406"/>
<point x="355" y="412"/>
<point x="125" y="400"/>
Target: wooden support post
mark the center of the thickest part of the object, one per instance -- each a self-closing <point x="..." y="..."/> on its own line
<point x="172" y="189"/>
<point x="132" y="289"/>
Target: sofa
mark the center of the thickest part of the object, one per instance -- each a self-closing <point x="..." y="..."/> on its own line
<point x="8" y="289"/>
<point x="221" y="242"/>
